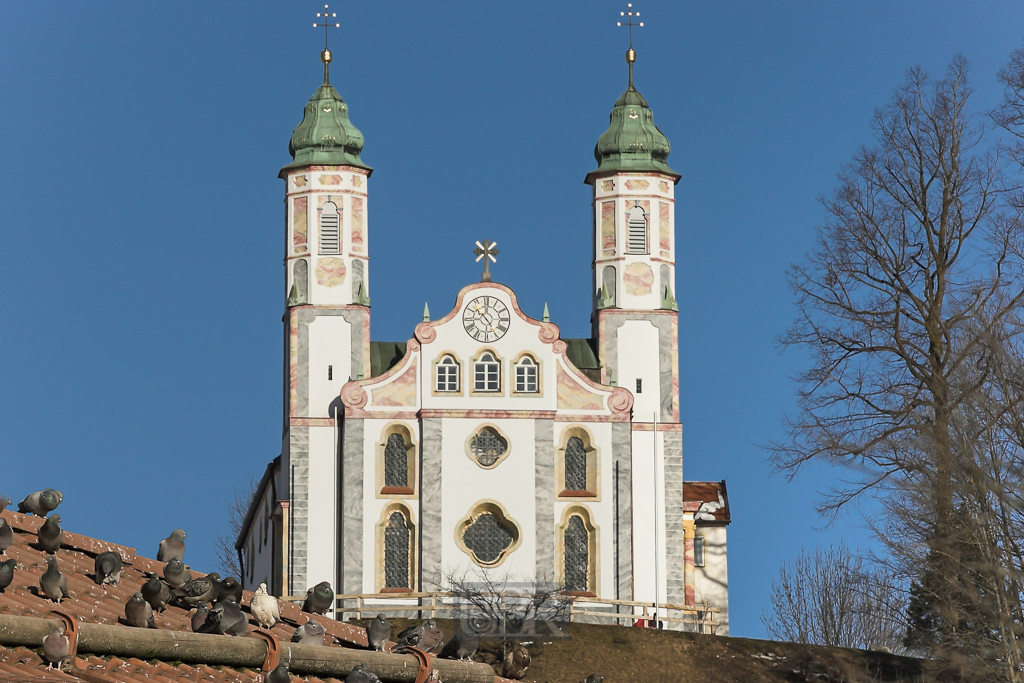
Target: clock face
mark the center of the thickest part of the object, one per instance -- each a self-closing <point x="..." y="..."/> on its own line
<point x="486" y="319"/>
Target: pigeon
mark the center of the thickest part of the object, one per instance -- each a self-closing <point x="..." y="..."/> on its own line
<point x="426" y="636"/>
<point x="409" y="637"/>
<point x="378" y="632"/>
<point x="593" y="678"/>
<point x="108" y="568"/>
<point x="230" y="586"/>
<point x="517" y="661"/>
<point x="319" y="598"/>
<point x="7" y="573"/>
<point x="172" y="547"/>
<point x="225" y="618"/>
<point x="199" y="618"/>
<point x="176" y="574"/>
<point x="41" y="503"/>
<point x="50" y="534"/>
<point x="361" y="674"/>
<point x="56" y="648"/>
<point x="52" y="583"/>
<point x="6" y="532"/>
<point x="204" y="589"/>
<point x="264" y="607"/>
<point x="138" y="613"/>
<point x="310" y="633"/>
<point x="280" y="674"/>
<point x="156" y="593"/>
<point x="464" y="643"/>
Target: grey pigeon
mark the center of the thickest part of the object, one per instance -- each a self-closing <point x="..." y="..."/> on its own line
<point x="410" y="637"/>
<point x="310" y="633"/>
<point x="41" y="503"/>
<point x="52" y="583"/>
<point x="138" y="613"/>
<point x="378" y="632"/>
<point x="176" y="574"/>
<point x="196" y="591"/>
<point x="50" y="534"/>
<point x="230" y="586"/>
<point x="464" y="643"/>
<point x="172" y="547"/>
<point x="6" y="532"/>
<point x="593" y="678"/>
<point x="264" y="608"/>
<point x="199" y="618"/>
<point x="280" y="674"/>
<point x="517" y="661"/>
<point x="108" y="568"/>
<point x="361" y="674"/>
<point x="225" y="618"/>
<point x="7" y="573"/>
<point x="425" y="636"/>
<point x="156" y="593"/>
<point x="56" y="648"/>
<point x="319" y="598"/>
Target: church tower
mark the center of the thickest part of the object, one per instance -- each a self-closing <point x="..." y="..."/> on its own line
<point x="326" y="321"/>
<point x="635" y="325"/>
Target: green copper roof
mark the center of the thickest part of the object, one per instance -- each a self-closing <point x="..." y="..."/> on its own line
<point x="326" y="137"/>
<point x="632" y="142"/>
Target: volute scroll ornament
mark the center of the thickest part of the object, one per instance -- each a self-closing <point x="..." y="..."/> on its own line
<point x="425" y="332"/>
<point x="621" y="401"/>
<point x="548" y="332"/>
<point x="353" y="395"/>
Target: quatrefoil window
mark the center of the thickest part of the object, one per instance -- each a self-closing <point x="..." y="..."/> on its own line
<point x="488" y="447"/>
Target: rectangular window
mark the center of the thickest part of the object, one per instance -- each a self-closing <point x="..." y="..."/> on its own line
<point x="526" y="379"/>
<point x="447" y="378"/>
<point x="639" y="386"/>
<point x="329" y="233"/>
<point x="636" y="232"/>
<point x="486" y="378"/>
<point x="698" y="551"/>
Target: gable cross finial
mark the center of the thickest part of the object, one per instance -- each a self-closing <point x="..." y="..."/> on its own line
<point x="630" y="53"/>
<point x="486" y="251"/>
<point x="325" y="24"/>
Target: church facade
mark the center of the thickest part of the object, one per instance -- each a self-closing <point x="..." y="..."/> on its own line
<point x="486" y="442"/>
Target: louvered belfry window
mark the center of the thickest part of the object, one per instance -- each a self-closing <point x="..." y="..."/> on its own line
<point x="487" y="447"/>
<point x="487" y="538"/>
<point x="577" y="555"/>
<point x="396" y="552"/>
<point x="636" y="231"/>
<point x="575" y="465"/>
<point x="330" y="229"/>
<point x="396" y="462"/>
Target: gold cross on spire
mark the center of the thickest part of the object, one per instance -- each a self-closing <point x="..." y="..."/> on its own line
<point x="486" y="251"/>
<point x="325" y="17"/>
<point x="630" y="53"/>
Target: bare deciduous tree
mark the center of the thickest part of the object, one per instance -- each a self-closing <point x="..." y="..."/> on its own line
<point x="830" y="597"/>
<point x="238" y="506"/>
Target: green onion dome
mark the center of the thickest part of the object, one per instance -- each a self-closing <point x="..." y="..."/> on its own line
<point x="632" y="143"/>
<point x="326" y="137"/>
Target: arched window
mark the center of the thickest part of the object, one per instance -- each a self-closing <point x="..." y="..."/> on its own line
<point x="448" y="374"/>
<point x="397" y="550"/>
<point x="636" y="229"/>
<point x="487" y="374"/>
<point x="575" y="465"/>
<point x="526" y="376"/>
<point x="396" y="462"/>
<point x="300" y="283"/>
<point x="330" y="229"/>
<point x="576" y="556"/>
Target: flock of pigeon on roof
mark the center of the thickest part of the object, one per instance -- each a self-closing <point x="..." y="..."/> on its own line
<point x="224" y="615"/>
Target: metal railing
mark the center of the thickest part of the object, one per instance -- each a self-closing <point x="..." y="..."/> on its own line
<point x="701" y="618"/>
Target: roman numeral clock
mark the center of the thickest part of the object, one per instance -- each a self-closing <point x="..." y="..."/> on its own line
<point x="486" y="319"/>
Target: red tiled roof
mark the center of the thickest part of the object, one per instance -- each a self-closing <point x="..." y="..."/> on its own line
<point x="89" y="603"/>
<point x="707" y="497"/>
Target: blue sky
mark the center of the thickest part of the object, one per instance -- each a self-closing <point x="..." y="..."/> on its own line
<point x="143" y="222"/>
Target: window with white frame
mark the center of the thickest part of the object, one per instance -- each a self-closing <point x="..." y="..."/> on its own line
<point x="526" y="376"/>
<point x="330" y="229"/>
<point x="698" y="551"/>
<point x="448" y="374"/>
<point x="487" y="374"/>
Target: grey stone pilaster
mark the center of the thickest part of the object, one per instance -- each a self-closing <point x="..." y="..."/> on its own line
<point x="351" y="546"/>
<point x="544" y="482"/>
<point x="666" y="354"/>
<point x="298" y="452"/>
<point x="430" y="504"/>
<point x="623" y="491"/>
<point x="675" y="538"/>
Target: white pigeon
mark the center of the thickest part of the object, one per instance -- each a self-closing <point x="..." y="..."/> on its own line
<point x="264" y="607"/>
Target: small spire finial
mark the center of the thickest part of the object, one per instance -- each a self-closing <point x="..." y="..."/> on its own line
<point x="547" y="316"/>
<point x="630" y="53"/>
<point x="325" y="56"/>
<point x="486" y="251"/>
<point x="426" y="312"/>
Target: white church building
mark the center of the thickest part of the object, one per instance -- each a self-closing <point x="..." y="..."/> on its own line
<point x="486" y="442"/>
